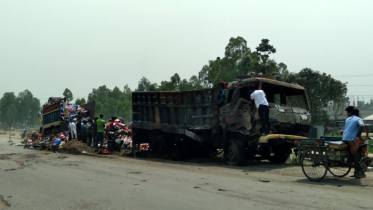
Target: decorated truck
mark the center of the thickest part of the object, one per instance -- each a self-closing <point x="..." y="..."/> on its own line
<point x="56" y="114"/>
<point x="222" y="117"/>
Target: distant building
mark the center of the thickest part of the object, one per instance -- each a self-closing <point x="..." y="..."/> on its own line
<point x="369" y="121"/>
<point x="334" y="110"/>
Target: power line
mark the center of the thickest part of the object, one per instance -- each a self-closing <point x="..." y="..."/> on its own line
<point x="354" y="75"/>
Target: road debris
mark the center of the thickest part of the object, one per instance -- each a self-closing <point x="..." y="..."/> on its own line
<point x="21" y="163"/>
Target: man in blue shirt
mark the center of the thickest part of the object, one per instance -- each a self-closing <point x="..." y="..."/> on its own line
<point x="352" y="135"/>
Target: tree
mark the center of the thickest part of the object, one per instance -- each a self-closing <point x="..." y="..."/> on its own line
<point x="321" y="88"/>
<point x="68" y="95"/>
<point x="283" y="71"/>
<point x="112" y="102"/>
<point x="8" y="109"/>
<point x="28" y="108"/>
<point x="145" y="85"/>
<point x="263" y="51"/>
<point x="80" y="101"/>
<point x="239" y="60"/>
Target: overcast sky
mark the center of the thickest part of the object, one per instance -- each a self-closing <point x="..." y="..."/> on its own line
<point x="46" y="46"/>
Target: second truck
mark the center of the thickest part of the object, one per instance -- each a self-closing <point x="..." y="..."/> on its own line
<point x="221" y="117"/>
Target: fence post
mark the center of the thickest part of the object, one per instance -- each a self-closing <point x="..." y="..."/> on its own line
<point x="367" y="136"/>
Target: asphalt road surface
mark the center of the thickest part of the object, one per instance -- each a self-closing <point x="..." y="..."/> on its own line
<point x="32" y="179"/>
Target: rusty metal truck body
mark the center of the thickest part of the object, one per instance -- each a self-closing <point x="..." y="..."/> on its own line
<point x="221" y="117"/>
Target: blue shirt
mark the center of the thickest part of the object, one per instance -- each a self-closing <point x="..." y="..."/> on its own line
<point x="57" y="142"/>
<point x="352" y="126"/>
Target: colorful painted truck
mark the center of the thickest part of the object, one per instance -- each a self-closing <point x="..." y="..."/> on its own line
<point x="52" y="118"/>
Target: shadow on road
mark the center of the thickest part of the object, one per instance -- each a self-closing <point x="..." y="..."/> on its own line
<point x="334" y="181"/>
<point x="251" y="166"/>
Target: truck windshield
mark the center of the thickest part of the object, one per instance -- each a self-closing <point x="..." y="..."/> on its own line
<point x="285" y="96"/>
<point x="296" y="101"/>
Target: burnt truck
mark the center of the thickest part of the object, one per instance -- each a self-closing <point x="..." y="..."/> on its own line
<point x="52" y="118"/>
<point x="222" y="117"/>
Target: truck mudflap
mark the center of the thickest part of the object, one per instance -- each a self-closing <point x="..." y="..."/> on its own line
<point x="283" y="137"/>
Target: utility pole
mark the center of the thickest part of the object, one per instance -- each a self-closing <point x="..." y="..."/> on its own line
<point x="10" y="132"/>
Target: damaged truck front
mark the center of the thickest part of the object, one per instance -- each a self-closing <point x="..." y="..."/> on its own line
<point x="222" y="118"/>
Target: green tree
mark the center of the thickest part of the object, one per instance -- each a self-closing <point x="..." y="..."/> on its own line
<point x="145" y="85"/>
<point x="263" y="51"/>
<point x="28" y="108"/>
<point x="80" y="101"/>
<point x="68" y="95"/>
<point x="8" y="109"/>
<point x="239" y="60"/>
<point x="112" y="102"/>
<point x="321" y="88"/>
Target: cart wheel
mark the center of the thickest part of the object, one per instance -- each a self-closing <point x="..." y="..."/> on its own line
<point x="339" y="169"/>
<point x="314" y="165"/>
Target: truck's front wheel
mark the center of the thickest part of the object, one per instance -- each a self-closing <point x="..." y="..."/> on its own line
<point x="234" y="153"/>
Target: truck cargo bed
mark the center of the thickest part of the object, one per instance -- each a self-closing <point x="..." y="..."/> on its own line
<point x="175" y="110"/>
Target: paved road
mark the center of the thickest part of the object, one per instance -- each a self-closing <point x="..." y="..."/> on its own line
<point x="43" y="180"/>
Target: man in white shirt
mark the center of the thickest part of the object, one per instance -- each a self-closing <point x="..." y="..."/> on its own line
<point x="261" y="104"/>
<point x="73" y="129"/>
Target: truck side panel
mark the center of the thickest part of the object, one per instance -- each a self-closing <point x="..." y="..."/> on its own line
<point x="192" y="110"/>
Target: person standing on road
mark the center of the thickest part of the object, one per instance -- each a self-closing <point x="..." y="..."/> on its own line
<point x="100" y="131"/>
<point x="94" y="132"/>
<point x="78" y="128"/>
<point x="352" y="135"/>
<point x="70" y="128"/>
<point x="84" y="131"/>
<point x="73" y="129"/>
<point x="262" y="105"/>
<point x="90" y="132"/>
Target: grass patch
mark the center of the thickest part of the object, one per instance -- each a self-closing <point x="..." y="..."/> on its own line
<point x="293" y="160"/>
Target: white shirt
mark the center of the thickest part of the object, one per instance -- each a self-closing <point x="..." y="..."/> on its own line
<point x="73" y="130"/>
<point x="259" y="97"/>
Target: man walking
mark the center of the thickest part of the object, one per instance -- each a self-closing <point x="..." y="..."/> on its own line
<point x="261" y="104"/>
<point x="100" y="131"/>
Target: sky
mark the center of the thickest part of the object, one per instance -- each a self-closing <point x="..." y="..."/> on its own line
<point x="47" y="46"/>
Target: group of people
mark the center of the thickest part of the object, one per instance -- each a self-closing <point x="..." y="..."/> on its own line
<point x="93" y="132"/>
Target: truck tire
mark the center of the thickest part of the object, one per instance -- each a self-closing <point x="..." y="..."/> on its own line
<point x="281" y="154"/>
<point x="161" y="146"/>
<point x="234" y="153"/>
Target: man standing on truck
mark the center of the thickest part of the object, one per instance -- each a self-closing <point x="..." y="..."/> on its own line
<point x="100" y="131"/>
<point x="262" y="105"/>
<point x="352" y="135"/>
